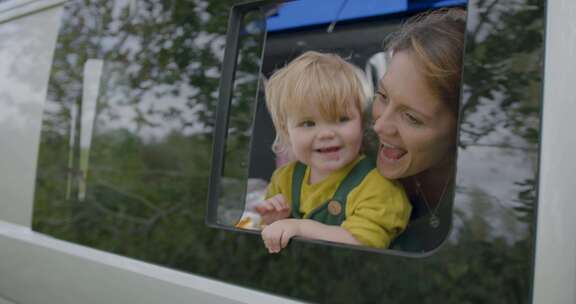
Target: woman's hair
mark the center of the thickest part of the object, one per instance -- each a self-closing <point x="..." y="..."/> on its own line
<point x="324" y="81"/>
<point x="436" y="39"/>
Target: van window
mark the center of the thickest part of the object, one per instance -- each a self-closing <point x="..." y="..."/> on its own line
<point x="360" y="42"/>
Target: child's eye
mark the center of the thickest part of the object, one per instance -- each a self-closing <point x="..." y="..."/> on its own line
<point x="344" y="119"/>
<point x="307" y="124"/>
<point x="412" y="119"/>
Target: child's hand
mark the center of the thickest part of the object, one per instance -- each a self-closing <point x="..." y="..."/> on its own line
<point x="273" y="209"/>
<point x="277" y="235"/>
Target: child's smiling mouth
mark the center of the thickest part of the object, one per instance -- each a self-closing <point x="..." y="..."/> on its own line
<point x="329" y="153"/>
<point x="328" y="149"/>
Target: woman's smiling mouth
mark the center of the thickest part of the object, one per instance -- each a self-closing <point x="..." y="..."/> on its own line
<point x="391" y="153"/>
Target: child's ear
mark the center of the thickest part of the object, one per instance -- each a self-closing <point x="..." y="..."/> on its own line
<point x="288" y="144"/>
<point x="284" y="155"/>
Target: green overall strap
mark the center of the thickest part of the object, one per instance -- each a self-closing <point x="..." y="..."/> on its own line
<point x="297" y="179"/>
<point x="353" y="179"/>
<point x="323" y="213"/>
<point x="333" y="211"/>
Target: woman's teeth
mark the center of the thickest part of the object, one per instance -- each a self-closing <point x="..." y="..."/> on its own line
<point x="391" y="152"/>
<point x="387" y="145"/>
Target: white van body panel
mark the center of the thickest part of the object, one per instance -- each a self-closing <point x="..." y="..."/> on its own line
<point x="555" y="271"/>
<point x="5" y="301"/>
<point x="46" y="270"/>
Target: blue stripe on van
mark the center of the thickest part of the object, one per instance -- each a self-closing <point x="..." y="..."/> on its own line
<point x="302" y="13"/>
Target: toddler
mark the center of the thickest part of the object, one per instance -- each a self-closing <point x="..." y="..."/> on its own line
<point x="331" y="192"/>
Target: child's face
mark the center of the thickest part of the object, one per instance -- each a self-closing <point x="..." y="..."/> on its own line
<point x="323" y="144"/>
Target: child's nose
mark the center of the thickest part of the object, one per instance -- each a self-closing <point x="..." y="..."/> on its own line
<point x="326" y="133"/>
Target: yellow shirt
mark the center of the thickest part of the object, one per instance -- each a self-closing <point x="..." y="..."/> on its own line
<point x="377" y="210"/>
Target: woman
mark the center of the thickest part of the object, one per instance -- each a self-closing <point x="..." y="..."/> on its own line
<point x="415" y="112"/>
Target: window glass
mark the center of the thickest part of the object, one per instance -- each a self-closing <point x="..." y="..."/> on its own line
<point x="500" y="130"/>
<point x="242" y="105"/>
<point x="126" y="136"/>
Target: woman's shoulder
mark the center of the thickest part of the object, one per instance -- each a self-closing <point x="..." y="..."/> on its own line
<point x="420" y="236"/>
<point x="424" y="233"/>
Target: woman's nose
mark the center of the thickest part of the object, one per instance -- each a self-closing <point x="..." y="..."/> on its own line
<point x="385" y="125"/>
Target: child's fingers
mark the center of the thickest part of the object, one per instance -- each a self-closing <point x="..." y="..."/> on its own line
<point x="284" y="240"/>
<point x="264" y="207"/>
<point x="272" y="245"/>
<point x="275" y="203"/>
<point x="260" y="209"/>
<point x="280" y="198"/>
<point x="271" y="237"/>
<point x="274" y="248"/>
<point x="265" y="240"/>
<point x="275" y="243"/>
<point x="278" y="205"/>
<point x="268" y="246"/>
<point x="278" y="202"/>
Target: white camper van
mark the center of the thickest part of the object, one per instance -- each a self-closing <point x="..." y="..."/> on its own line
<point x="134" y="141"/>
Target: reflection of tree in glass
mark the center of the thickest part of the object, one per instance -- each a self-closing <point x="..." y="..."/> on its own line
<point x="502" y="101"/>
<point x="149" y="159"/>
<point x="504" y="53"/>
<point x="502" y="110"/>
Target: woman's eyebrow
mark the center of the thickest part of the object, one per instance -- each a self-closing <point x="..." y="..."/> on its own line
<point x="380" y="88"/>
<point x="424" y="115"/>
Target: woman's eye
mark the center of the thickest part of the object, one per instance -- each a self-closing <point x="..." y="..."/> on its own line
<point x="344" y="119"/>
<point x="412" y="119"/>
<point x="381" y="97"/>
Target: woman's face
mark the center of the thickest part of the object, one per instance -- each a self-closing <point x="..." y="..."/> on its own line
<point x="415" y="128"/>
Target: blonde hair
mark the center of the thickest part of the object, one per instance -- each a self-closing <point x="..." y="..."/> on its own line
<point x="314" y="79"/>
<point x="436" y="39"/>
